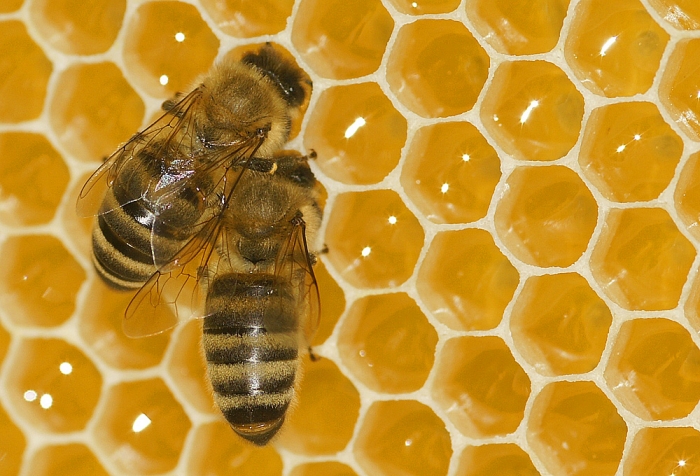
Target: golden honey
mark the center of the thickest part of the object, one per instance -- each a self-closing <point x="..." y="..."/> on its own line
<point x="75" y="459"/>
<point x="495" y="460"/>
<point x="249" y="19"/>
<point x="323" y="469"/>
<point x="664" y="451"/>
<point x="13" y="443"/>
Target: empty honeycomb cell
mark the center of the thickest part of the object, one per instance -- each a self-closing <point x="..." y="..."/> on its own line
<point x="423" y="7"/>
<point x="654" y="369"/>
<point x="33" y="178"/>
<point x="679" y="87"/>
<point x="244" y="19"/>
<point x="546" y="216"/>
<point x="356" y="132"/>
<point x="167" y="46"/>
<point x="324" y="417"/>
<point x="142" y="428"/>
<point x="641" y="260"/>
<point x="39" y="280"/>
<point x="559" y="324"/>
<point x="495" y="460"/>
<point x="450" y="172"/>
<point x="94" y="110"/>
<point x="629" y="152"/>
<point x="53" y="385"/>
<point x="519" y="27"/>
<point x="384" y="250"/>
<point x="403" y="437"/>
<point x="682" y="14"/>
<point x="667" y="451"/>
<point x="687" y="195"/>
<point x="614" y="48"/>
<point x="332" y="303"/>
<point x="465" y="280"/>
<point x="339" y="39"/>
<point x="76" y="27"/>
<point x="326" y="468"/>
<point x="388" y="343"/>
<point x="532" y="110"/>
<point x="575" y="430"/>
<point x="74" y="459"/>
<point x="12" y="442"/>
<point x="437" y="68"/>
<point x="480" y="387"/>
<point x="218" y="452"/>
<point x="24" y="74"/>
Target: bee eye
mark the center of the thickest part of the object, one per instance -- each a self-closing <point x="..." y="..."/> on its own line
<point x="262" y="131"/>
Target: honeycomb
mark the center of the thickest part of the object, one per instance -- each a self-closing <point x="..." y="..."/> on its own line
<point x="512" y="215"/>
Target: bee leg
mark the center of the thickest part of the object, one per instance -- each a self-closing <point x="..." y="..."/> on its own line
<point x="312" y="356"/>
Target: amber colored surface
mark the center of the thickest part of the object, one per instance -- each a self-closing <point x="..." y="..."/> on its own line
<point x="480" y="387"/>
<point x="687" y="196"/>
<point x="575" y="430"/>
<point x="356" y="132"/>
<point x="532" y="110"/>
<point x="654" y="369"/>
<point x="78" y="229"/>
<point x="4" y="342"/>
<point x="436" y="68"/>
<point x="388" y="343"/>
<point x="692" y="306"/>
<point x="327" y="468"/>
<point x="559" y="324"/>
<point x="324" y="417"/>
<point x="495" y="460"/>
<point x="7" y="6"/>
<point x="641" y="259"/>
<point x="402" y="437"/>
<point x="219" y="453"/>
<point x="422" y="7"/>
<point x="682" y="14"/>
<point x="465" y="280"/>
<point x="614" y="48"/>
<point x="340" y="39"/>
<point x="245" y="19"/>
<point x="33" y="178"/>
<point x="679" y="87"/>
<point x="384" y="250"/>
<point x="24" y="74"/>
<point x="332" y="303"/>
<point x="79" y="27"/>
<point x="669" y="451"/>
<point x="188" y="368"/>
<point x="629" y="152"/>
<point x="94" y="110"/>
<point x="519" y="27"/>
<point x="12" y="442"/>
<point x="74" y="459"/>
<point x="53" y="385"/>
<point x="546" y="216"/>
<point x="154" y="55"/>
<point x="152" y="449"/>
<point x="451" y="172"/>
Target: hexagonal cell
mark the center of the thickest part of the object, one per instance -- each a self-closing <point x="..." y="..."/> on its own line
<point x="629" y="152"/>
<point x="575" y="430"/>
<point x="682" y="14"/>
<point x="76" y="27"/>
<point x="615" y="48"/>
<point x="218" y="452"/>
<point x="94" y="109"/>
<point x="167" y="46"/>
<point x="74" y="459"/>
<point x="495" y="460"/>
<point x="687" y="195"/>
<point x="641" y="260"/>
<point x="403" y="437"/>
<point x="450" y="172"/>
<point x="356" y="132"/>
<point x="383" y="251"/>
<point x="339" y="39"/>
<point x="39" y="280"/>
<point x="654" y="369"/>
<point x="655" y="451"/>
<point x="142" y="428"/>
<point x="532" y="110"/>
<point x="436" y="68"/>
<point x="24" y="74"/>
<point x="332" y="303"/>
<point x="546" y="216"/>
<point x="465" y="281"/>
<point x="423" y="7"/>
<point x="188" y="367"/>
<point x="516" y="27"/>
<point x="12" y="442"/>
<point x="326" y="468"/>
<point x="388" y="343"/>
<point x="679" y="87"/>
<point x="53" y="385"/>
<point x="315" y="426"/>
<point x="559" y="324"/>
<point x="245" y="19"/>
<point x="480" y="387"/>
<point x="33" y="178"/>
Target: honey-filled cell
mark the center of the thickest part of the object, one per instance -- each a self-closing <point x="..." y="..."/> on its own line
<point x="422" y="7"/>
<point x="495" y="460"/>
<point x="672" y="451"/>
<point x="437" y="68"/>
<point x="403" y="437"/>
<point x="388" y="343"/>
<point x="12" y="442"/>
<point x="679" y="87"/>
<point x="7" y="6"/>
<point x="687" y="195"/>
<point x="4" y="343"/>
<point x="74" y="459"/>
<point x="332" y="303"/>
<point x="682" y="14"/>
<point x="325" y="468"/>
<point x="78" y="228"/>
<point x="244" y="19"/>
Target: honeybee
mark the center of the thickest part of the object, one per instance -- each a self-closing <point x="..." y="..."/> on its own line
<point x="204" y="210"/>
